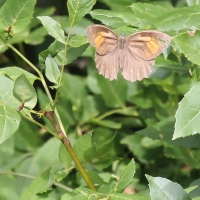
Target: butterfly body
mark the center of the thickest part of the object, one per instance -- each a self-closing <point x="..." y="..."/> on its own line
<point x="133" y="55"/>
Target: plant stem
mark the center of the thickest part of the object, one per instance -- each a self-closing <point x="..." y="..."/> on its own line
<point x="40" y="125"/>
<point x="87" y="179"/>
<point x="33" y="177"/>
<point x="43" y="82"/>
<point x="66" y="142"/>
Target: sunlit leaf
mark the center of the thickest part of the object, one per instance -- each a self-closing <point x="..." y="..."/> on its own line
<point x="78" y="9"/>
<point x="77" y="41"/>
<point x="53" y="28"/>
<point x="9" y="122"/>
<point x="188" y="114"/>
<point x="16" y="14"/>
<point x="161" y="188"/>
<point x="25" y="92"/>
<point x="14" y="72"/>
<point x="189" y="46"/>
<point x="51" y="70"/>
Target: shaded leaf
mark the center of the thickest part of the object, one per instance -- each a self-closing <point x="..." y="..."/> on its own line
<point x="114" y="92"/>
<point x="164" y="131"/>
<point x="40" y="184"/>
<point x="65" y="157"/>
<point x="185" y="155"/>
<point x="81" y="145"/>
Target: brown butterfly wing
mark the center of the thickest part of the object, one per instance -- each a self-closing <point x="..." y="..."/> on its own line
<point x="134" y="68"/>
<point x="109" y="64"/>
<point x="148" y="44"/>
<point x="102" y="38"/>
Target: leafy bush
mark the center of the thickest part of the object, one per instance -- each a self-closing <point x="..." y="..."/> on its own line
<point x="66" y="132"/>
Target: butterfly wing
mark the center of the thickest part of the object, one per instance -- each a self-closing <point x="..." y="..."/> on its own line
<point x="134" y="68"/>
<point x="109" y="64"/>
<point x="148" y="44"/>
<point x="102" y="38"/>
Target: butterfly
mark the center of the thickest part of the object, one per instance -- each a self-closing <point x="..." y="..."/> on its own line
<point x="134" y="56"/>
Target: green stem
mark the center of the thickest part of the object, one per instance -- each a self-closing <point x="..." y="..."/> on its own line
<point x="40" y="125"/>
<point x="33" y="177"/>
<point x="43" y="82"/>
<point x="87" y="179"/>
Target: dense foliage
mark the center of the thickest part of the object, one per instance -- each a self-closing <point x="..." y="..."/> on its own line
<point x="135" y="140"/>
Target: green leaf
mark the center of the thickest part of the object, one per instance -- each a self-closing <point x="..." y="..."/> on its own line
<point x="16" y="14"/>
<point x="164" y="68"/>
<point x="161" y="188"/>
<point x="40" y="184"/>
<point x="78" y="9"/>
<point x="195" y="186"/>
<point x="81" y="145"/>
<point x="106" y="123"/>
<point x="114" y="19"/>
<point x="15" y="72"/>
<point x="25" y="92"/>
<point x="95" y="178"/>
<point x="53" y="28"/>
<point x="8" y="187"/>
<point x="164" y="131"/>
<point x="116" y="4"/>
<point x="125" y="177"/>
<point x="24" y="141"/>
<point x="6" y="93"/>
<point x="74" y="53"/>
<point x="45" y="157"/>
<point x="9" y="122"/>
<point x="127" y="197"/>
<point x="90" y="153"/>
<point x="65" y="157"/>
<point x="37" y="36"/>
<point x="189" y="46"/>
<point x="185" y="155"/>
<point x="114" y="92"/>
<point x="73" y="89"/>
<point x="188" y="114"/>
<point x="89" y="109"/>
<point x="146" y="13"/>
<point x="56" y="50"/>
<point x="181" y="18"/>
<point x="52" y="71"/>
<point x="193" y="2"/>
<point x="77" y="41"/>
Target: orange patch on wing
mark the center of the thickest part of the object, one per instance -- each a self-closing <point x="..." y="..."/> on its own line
<point x="153" y="46"/>
<point x="98" y="40"/>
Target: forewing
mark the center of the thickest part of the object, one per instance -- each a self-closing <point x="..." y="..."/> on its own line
<point x="102" y="38"/>
<point x="134" y="68"/>
<point x="148" y="44"/>
<point x="108" y="65"/>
